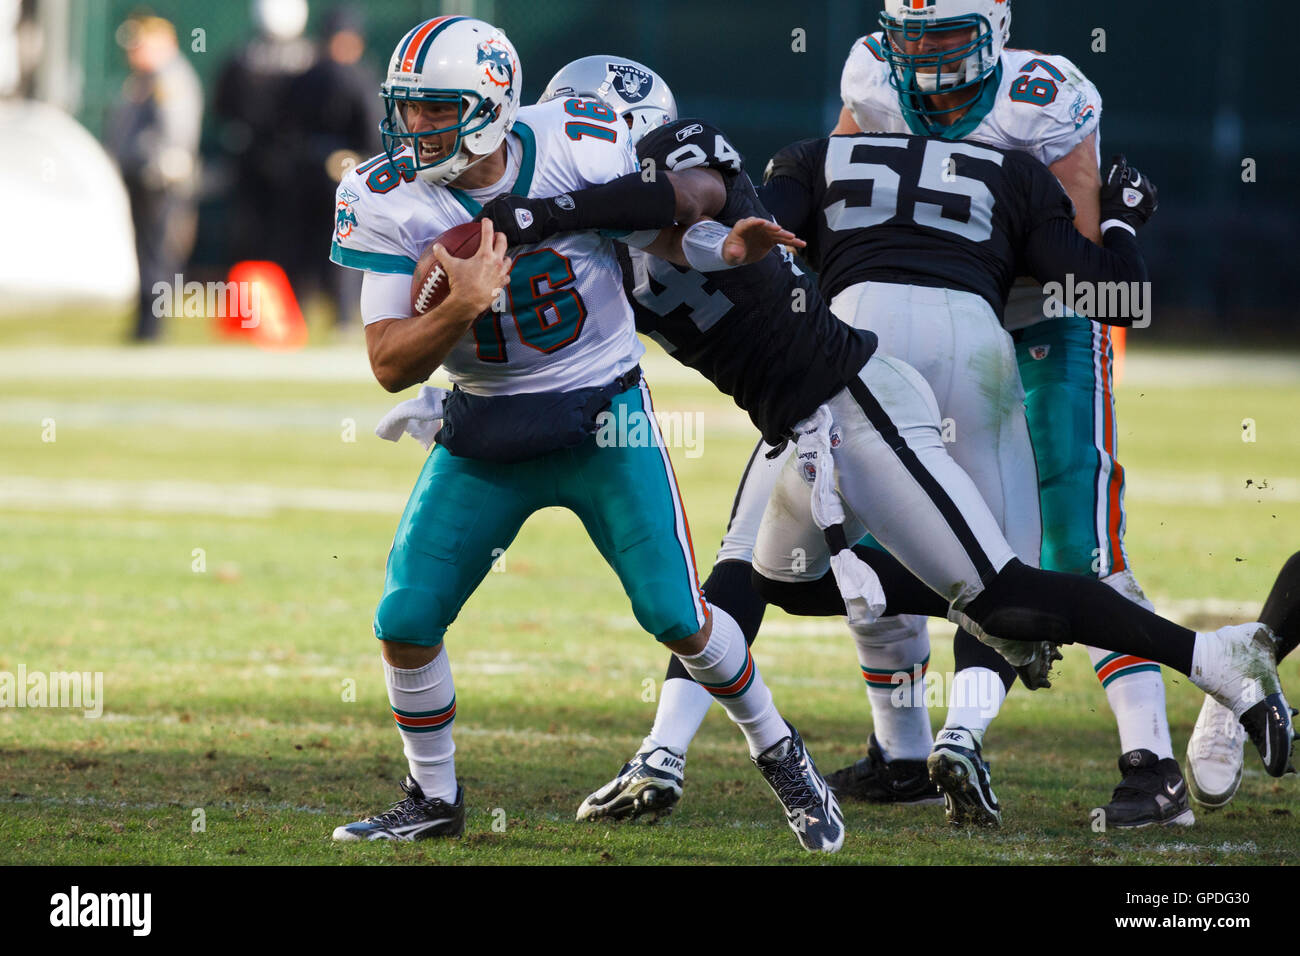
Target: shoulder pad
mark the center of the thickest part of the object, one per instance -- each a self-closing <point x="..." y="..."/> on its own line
<point x="367" y="235"/>
<point x="1051" y="128"/>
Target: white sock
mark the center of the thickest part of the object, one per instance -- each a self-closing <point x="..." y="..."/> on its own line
<point x="1135" y="689"/>
<point x="726" y="669"/>
<point x="424" y="706"/>
<point x="1134" y="686"/>
<point x="894" y="654"/>
<point x="975" y="698"/>
<point x="683" y="705"/>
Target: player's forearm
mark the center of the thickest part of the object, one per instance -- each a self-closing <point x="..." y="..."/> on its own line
<point x="410" y="350"/>
<point x="1058" y="253"/>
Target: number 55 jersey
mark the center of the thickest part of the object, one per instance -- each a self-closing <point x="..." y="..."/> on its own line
<point x="566" y="323"/>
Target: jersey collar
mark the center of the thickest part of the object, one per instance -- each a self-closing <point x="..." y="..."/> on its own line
<point x="974" y="116"/>
<point x="523" y="182"/>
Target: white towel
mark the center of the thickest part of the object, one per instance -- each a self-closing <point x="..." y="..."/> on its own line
<point x="864" y="596"/>
<point x="419" y="417"/>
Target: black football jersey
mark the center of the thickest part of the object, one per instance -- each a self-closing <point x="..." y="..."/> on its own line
<point x="761" y="333"/>
<point x="917" y="210"/>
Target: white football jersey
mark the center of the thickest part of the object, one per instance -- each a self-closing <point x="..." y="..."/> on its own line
<point x="568" y="324"/>
<point x="1042" y="104"/>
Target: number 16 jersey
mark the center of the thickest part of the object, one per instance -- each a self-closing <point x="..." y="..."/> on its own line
<point x="566" y="323"/>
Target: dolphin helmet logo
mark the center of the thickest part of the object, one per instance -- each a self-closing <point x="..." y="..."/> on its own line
<point x="629" y="82"/>
<point x="500" y="70"/>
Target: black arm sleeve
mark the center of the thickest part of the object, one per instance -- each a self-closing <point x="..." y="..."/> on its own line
<point x="1056" y="250"/>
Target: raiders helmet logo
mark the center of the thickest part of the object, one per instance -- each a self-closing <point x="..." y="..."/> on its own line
<point x="629" y="82"/>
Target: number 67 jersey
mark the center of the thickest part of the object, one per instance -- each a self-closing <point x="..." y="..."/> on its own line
<point x="566" y="324"/>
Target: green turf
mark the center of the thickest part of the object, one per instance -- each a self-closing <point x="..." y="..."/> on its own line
<point x="226" y="688"/>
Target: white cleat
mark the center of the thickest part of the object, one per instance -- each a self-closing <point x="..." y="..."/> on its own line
<point x="1215" y="754"/>
<point x="1237" y="666"/>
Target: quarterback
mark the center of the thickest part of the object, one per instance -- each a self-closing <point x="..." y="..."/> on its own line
<point x="533" y="375"/>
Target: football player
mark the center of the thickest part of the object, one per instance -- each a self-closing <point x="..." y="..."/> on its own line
<point x="943" y="68"/>
<point x="519" y="433"/>
<point x="871" y="457"/>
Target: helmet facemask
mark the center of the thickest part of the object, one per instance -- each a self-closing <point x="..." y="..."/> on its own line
<point x="937" y="57"/>
<point x="473" y="114"/>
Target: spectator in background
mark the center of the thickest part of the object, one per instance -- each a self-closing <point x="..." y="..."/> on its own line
<point x="255" y="114"/>
<point x="336" y="117"/>
<point x="153" y="133"/>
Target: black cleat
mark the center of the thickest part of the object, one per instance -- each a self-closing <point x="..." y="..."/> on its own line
<point x="958" y="768"/>
<point x="873" y="779"/>
<point x="1282" y="609"/>
<point x="413" y="818"/>
<point x="810" y="807"/>
<point x="1152" y="792"/>
<point x="1268" y="725"/>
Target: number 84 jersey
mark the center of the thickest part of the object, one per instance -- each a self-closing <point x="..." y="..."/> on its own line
<point x="566" y="323"/>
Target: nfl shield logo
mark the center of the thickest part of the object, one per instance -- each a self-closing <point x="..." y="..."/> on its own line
<point x="629" y="82"/>
<point x="1039" y="352"/>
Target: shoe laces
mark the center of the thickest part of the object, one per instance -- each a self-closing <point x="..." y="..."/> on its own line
<point x="790" y="782"/>
<point x="403" y="809"/>
<point x="1223" y="739"/>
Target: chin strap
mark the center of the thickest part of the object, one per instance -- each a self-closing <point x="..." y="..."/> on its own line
<point x="864" y="597"/>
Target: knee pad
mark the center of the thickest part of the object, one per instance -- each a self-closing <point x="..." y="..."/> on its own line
<point x="411" y="616"/>
<point x="893" y="642"/>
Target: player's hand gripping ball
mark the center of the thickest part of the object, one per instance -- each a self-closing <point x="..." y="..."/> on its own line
<point x="429" y="285"/>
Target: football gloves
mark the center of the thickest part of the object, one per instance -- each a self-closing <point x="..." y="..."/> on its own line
<point x="1127" y="195"/>
<point x="520" y="219"/>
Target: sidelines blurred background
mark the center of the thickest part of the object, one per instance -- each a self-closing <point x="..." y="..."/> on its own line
<point x="1190" y="94"/>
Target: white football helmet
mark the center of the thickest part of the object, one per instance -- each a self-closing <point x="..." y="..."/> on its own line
<point x="943" y="46"/>
<point x="631" y="89"/>
<point x="459" y="61"/>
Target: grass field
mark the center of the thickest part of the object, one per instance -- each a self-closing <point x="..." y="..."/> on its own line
<point x="202" y="531"/>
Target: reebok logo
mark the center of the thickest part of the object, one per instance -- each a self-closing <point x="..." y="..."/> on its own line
<point x="686" y="132"/>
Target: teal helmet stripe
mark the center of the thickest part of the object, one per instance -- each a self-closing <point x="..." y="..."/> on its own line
<point x="428" y="41"/>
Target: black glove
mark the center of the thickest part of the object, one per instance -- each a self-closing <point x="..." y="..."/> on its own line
<point x="522" y="220"/>
<point x="1127" y="195"/>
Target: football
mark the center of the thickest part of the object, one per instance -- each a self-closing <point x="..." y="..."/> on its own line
<point x="429" y="283"/>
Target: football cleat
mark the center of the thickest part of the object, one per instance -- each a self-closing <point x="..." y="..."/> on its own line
<point x="810" y="808"/>
<point x="1215" y="754"/>
<point x="651" y="782"/>
<point x="1236" y="665"/>
<point x="958" y="769"/>
<point x="873" y="779"/>
<point x="415" y="817"/>
<point x="1152" y="791"/>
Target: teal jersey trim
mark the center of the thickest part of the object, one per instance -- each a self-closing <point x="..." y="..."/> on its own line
<point x="523" y="182"/>
<point x="372" y="261"/>
<point x="974" y="116"/>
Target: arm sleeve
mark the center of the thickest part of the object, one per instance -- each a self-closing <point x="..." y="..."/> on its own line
<point x="385" y="297"/>
<point x="1056" y="250"/>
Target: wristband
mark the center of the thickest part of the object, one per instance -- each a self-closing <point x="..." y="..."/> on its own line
<point x="702" y="246"/>
<point x="1118" y="224"/>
